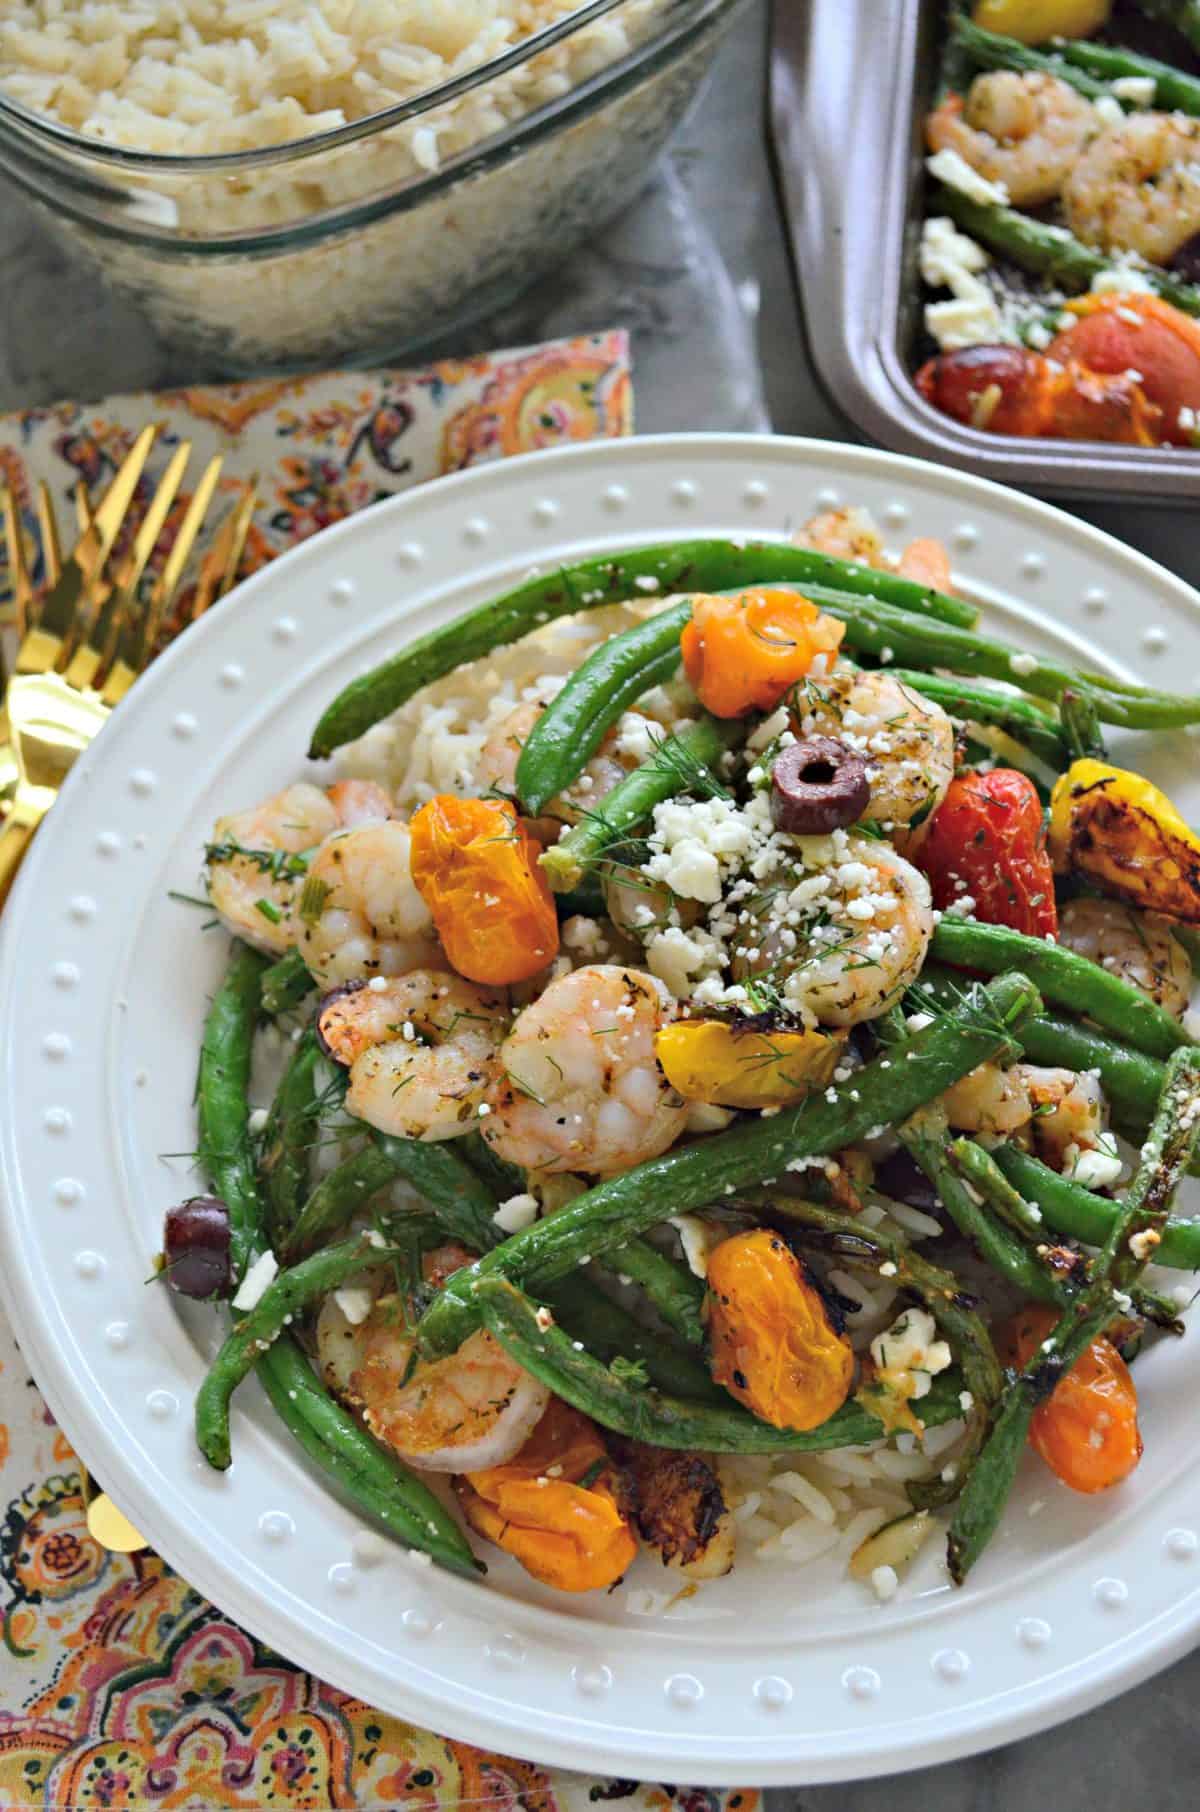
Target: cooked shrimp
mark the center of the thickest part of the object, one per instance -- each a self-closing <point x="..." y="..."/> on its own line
<point x="579" y="1086"/>
<point x="254" y="860"/>
<point x="843" y="944"/>
<point x="1137" y="187"/>
<point x="906" y="740"/>
<point x="1137" y="946"/>
<point x="1068" y="1109"/>
<point x="496" y="768"/>
<point x="359" y="912"/>
<point x="851" y="534"/>
<point x="420" y="1048"/>
<point x="475" y="1408"/>
<point x="927" y="562"/>
<point x="989" y="1100"/>
<point x="1023" y="130"/>
<point x="847" y="534"/>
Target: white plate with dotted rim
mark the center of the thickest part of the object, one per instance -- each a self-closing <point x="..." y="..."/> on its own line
<point x="766" y="1677"/>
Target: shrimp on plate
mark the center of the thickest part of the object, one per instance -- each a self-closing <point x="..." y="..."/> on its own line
<point x="257" y="858"/>
<point x="1140" y="947"/>
<point x="475" y="1408"/>
<point x="421" y="1050"/>
<point x="496" y="768"/>
<point x="578" y="1086"/>
<point x="359" y="911"/>
<point x="1136" y="188"/>
<point x="906" y="740"/>
<point x="1025" y="130"/>
<point x="847" y="937"/>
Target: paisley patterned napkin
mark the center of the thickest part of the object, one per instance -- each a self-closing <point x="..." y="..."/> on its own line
<point x="120" y="1687"/>
<point x="321" y="447"/>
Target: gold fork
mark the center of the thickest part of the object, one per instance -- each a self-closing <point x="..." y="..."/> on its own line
<point x="92" y="638"/>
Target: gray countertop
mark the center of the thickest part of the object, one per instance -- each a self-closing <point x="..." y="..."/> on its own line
<point x="719" y="344"/>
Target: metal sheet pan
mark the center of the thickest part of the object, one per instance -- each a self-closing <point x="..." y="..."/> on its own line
<point x="851" y="80"/>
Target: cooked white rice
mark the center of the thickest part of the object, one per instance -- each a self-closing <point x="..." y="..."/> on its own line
<point x="224" y="76"/>
<point x="194" y="77"/>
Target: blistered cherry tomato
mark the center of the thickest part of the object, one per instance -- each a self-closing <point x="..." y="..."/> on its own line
<point x="1087" y="1430"/>
<point x="987" y="842"/>
<point x="475" y="865"/>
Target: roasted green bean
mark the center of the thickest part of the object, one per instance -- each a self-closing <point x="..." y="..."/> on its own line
<point x="645" y="1414"/>
<point x="984" y="1024"/>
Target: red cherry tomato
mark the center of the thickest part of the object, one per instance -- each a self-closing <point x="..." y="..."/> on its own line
<point x="1146" y="335"/>
<point x="987" y="841"/>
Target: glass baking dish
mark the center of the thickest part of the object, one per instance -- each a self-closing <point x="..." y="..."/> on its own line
<point x="851" y="83"/>
<point x="314" y="252"/>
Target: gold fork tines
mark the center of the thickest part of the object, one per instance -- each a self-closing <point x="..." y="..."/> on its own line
<point x="100" y="641"/>
<point x="64" y="617"/>
<point x="48" y="530"/>
<point x="139" y="634"/>
<point x="219" y="567"/>
<point x="18" y="570"/>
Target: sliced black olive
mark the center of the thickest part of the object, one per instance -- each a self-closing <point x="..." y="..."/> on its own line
<point x="901" y="1177"/>
<point x="817" y="786"/>
<point x="1186" y="262"/>
<point x="196" y="1248"/>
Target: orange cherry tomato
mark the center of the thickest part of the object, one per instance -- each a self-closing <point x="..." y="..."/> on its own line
<point x="773" y="1344"/>
<point x="744" y="653"/>
<point x="1115" y="333"/>
<point x="475" y="865"/>
<point x="564" y="1531"/>
<point x="1087" y="1430"/>
<point x="987" y="841"/>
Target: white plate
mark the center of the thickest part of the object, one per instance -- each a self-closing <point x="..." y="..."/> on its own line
<point x="766" y="1677"/>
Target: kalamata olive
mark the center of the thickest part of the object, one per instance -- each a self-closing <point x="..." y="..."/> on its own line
<point x="1186" y="262"/>
<point x="817" y="786"/>
<point x="196" y="1248"/>
<point x="901" y="1177"/>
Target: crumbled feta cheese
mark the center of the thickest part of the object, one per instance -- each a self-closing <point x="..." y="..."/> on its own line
<point x="966" y="321"/>
<point x="1142" y="1244"/>
<point x="583" y="935"/>
<point x="966" y="1401"/>
<point x="909" y="1354"/>
<point x="1109" y="109"/>
<point x="355" y="1301"/>
<point x="637" y="736"/>
<point x="517" y="1212"/>
<point x="261" y="1274"/>
<point x="378" y="984"/>
<point x="954" y="170"/>
<point x="1120" y="280"/>
<point x="1139" y="91"/>
<point x="1094" y="1166"/>
<point x="258" y="1119"/>
<point x="949" y="260"/>
<point x="1023" y="664"/>
<point x="679" y="958"/>
<point x="885" y="1582"/>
